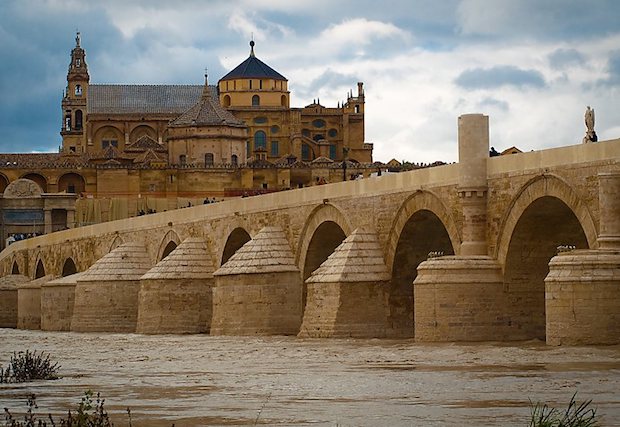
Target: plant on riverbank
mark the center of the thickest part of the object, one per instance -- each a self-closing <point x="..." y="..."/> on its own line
<point x="27" y="366"/>
<point x="89" y="413"/>
<point x="576" y="415"/>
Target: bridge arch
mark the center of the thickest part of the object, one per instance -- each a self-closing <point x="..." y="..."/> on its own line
<point x="68" y="267"/>
<point x="546" y="213"/>
<point x="237" y="236"/>
<point x="422" y="224"/>
<point x="325" y="228"/>
<point x="15" y="267"/>
<point x="116" y="242"/>
<point x="168" y="243"/>
<point x="540" y="186"/>
<point x="40" y="268"/>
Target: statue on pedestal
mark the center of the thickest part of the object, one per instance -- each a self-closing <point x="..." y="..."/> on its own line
<point x="590" y="133"/>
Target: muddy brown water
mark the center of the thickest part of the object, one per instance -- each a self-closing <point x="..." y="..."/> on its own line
<point x="200" y="380"/>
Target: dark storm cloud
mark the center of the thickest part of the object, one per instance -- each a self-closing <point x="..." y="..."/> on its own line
<point x="35" y="52"/>
<point x="562" y="58"/>
<point x="503" y="75"/>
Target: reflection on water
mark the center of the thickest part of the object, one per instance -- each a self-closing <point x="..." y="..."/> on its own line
<point x="199" y="380"/>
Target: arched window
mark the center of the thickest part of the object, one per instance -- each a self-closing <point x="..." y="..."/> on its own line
<point x="234" y="160"/>
<point x="227" y="99"/>
<point x="260" y="140"/>
<point x="306" y="152"/>
<point x="182" y="159"/>
<point x="78" y="119"/>
<point x="255" y="101"/>
<point x="78" y="90"/>
<point x="209" y="159"/>
<point x="283" y="101"/>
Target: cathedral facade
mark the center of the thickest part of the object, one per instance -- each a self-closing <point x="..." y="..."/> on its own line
<point x="129" y="149"/>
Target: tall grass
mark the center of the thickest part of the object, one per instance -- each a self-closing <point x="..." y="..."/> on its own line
<point x="576" y="415"/>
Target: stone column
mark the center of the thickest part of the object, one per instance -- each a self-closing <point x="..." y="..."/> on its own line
<point x="461" y="298"/>
<point x="48" y="220"/>
<point x="609" y="208"/>
<point x="472" y="189"/>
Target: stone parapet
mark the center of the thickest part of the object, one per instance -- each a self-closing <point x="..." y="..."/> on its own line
<point x="582" y="298"/>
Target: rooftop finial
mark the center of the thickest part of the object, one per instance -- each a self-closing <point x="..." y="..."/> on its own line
<point x="206" y="92"/>
<point x="77" y="38"/>
<point x="252" y="46"/>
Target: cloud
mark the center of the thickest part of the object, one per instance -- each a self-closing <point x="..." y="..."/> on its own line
<point x="354" y="37"/>
<point x="494" y="104"/>
<point x="564" y="58"/>
<point x="498" y="76"/>
<point x="536" y="20"/>
<point x="613" y="71"/>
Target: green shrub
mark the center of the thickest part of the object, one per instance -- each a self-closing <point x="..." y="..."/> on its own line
<point x="27" y="366"/>
<point x="576" y="415"/>
<point x="89" y="413"/>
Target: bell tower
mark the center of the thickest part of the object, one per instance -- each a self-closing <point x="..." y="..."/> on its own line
<point x="74" y="101"/>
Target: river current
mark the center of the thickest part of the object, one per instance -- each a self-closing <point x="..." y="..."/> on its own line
<point x="200" y="380"/>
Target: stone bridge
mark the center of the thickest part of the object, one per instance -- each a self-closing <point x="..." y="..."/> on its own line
<point x="513" y="247"/>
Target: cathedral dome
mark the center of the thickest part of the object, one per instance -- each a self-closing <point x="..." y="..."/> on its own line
<point x="253" y="68"/>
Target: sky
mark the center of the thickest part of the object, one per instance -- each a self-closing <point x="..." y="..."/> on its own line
<point x="531" y="65"/>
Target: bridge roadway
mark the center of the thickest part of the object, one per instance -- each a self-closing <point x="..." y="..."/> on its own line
<point x="493" y="223"/>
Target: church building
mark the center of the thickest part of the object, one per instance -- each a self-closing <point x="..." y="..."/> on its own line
<point x="133" y="149"/>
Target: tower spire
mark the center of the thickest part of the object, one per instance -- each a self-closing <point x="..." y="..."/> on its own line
<point x="77" y="38"/>
<point x="252" y="47"/>
<point x="206" y="92"/>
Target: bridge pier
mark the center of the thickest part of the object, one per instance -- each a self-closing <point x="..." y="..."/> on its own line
<point x="347" y="294"/>
<point x="582" y="289"/>
<point x="175" y="295"/>
<point x="258" y="290"/>
<point x="460" y="298"/>
<point x="57" y="300"/>
<point x="106" y="295"/>
<point x="8" y="299"/>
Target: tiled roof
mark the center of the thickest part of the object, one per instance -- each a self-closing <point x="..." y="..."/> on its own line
<point x="190" y="260"/>
<point x="359" y="258"/>
<point x="144" y="143"/>
<point x="253" y="68"/>
<point x="267" y="252"/>
<point x="149" y="156"/>
<point x="153" y="99"/>
<point x="207" y="112"/>
<point x="129" y="261"/>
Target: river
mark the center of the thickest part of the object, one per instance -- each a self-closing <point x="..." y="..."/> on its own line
<point x="199" y="380"/>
